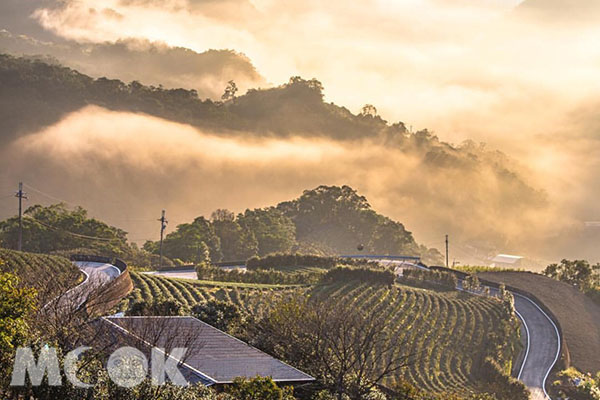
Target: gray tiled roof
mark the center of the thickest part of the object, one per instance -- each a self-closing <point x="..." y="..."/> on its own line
<point x="213" y="356"/>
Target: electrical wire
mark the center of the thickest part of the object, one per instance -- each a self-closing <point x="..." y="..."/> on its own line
<point x="47" y="195"/>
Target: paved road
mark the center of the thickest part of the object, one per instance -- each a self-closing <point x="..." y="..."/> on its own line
<point x="189" y="273"/>
<point x="96" y="275"/>
<point x="543" y="347"/>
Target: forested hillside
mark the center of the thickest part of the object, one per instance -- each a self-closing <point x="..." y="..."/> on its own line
<point x="148" y="62"/>
<point x="329" y="220"/>
<point x="338" y="220"/>
<point x="42" y="93"/>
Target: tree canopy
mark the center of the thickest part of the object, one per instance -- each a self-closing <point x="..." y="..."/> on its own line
<point x="340" y="219"/>
<point x="577" y="272"/>
<point x="329" y="220"/>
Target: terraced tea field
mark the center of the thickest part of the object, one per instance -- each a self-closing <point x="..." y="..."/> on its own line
<point x="50" y="275"/>
<point x="447" y="331"/>
<point x="253" y="298"/>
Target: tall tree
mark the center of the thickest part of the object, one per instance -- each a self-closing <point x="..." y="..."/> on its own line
<point x="341" y="219"/>
<point x="230" y="91"/>
<point x="577" y="272"/>
<point x="188" y="242"/>
<point x="237" y="243"/>
<point x="274" y="232"/>
<point x="347" y="349"/>
<point x="16" y="308"/>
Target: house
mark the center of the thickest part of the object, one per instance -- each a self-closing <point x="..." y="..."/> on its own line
<point x="213" y="357"/>
<point x="506" y="260"/>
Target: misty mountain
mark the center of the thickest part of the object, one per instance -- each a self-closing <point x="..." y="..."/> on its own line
<point x="141" y="60"/>
<point x="41" y="93"/>
<point x="265" y="145"/>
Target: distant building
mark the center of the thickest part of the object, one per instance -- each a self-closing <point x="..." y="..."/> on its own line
<point x="214" y="358"/>
<point x="506" y="260"/>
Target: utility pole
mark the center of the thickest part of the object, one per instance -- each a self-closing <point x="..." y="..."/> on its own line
<point x="163" y="225"/>
<point x="21" y="195"/>
<point x="446" y="251"/>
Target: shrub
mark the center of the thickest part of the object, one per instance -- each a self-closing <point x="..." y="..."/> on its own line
<point x="426" y="278"/>
<point x="384" y="277"/>
<point x="472" y="283"/>
<point x="275" y="261"/>
<point x="209" y="272"/>
<point x="258" y="388"/>
<point x="278" y="261"/>
<point x="504" y="386"/>
<point x="158" y="307"/>
<point x="222" y="315"/>
<point x="575" y="385"/>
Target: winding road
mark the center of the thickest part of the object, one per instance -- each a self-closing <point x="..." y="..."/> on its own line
<point x="543" y="346"/>
<point x="96" y="275"/>
<point x="97" y="272"/>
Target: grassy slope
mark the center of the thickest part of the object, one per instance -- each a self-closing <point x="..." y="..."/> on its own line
<point x="448" y="329"/>
<point x="579" y="316"/>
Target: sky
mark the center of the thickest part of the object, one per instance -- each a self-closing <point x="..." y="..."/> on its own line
<point x="524" y="78"/>
<point x="451" y="66"/>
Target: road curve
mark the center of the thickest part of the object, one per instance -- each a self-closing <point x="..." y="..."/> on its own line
<point x="543" y="346"/>
<point x="97" y="272"/>
<point x="96" y="275"/>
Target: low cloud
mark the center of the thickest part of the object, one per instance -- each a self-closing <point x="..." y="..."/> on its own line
<point x="126" y="168"/>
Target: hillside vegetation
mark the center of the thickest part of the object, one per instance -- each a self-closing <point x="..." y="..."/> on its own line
<point x="330" y="220"/>
<point x="149" y="62"/>
<point x="579" y="315"/>
<point x="450" y="334"/>
<point x="326" y="220"/>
